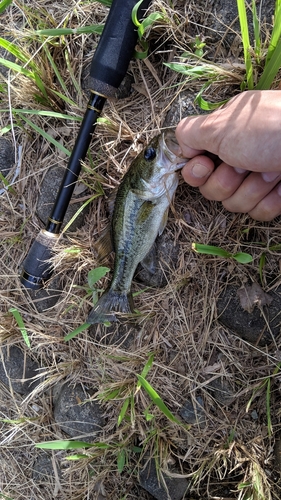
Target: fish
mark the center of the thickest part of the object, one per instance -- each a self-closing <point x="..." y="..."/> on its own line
<point x="140" y="214"/>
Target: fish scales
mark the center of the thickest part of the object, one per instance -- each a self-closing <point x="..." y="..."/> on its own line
<point x="139" y="215"/>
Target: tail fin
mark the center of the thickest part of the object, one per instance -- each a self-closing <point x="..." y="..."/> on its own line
<point x="109" y="303"/>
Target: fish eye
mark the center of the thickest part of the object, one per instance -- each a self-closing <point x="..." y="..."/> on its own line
<point x="149" y="154"/>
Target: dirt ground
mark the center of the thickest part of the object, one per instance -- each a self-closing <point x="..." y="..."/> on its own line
<point x="220" y="377"/>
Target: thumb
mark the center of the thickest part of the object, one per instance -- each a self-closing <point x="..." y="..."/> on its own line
<point x="193" y="135"/>
<point x="197" y="170"/>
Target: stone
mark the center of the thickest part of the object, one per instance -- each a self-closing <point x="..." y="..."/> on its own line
<point x="182" y="107"/>
<point x="48" y="192"/>
<point x="17" y="370"/>
<point x="175" y="489"/>
<point x="165" y="254"/>
<point x="45" y="298"/>
<point x="256" y="327"/>
<point x="219" y="19"/>
<point x="193" y="412"/>
<point x="222" y="391"/>
<point x="7" y="156"/>
<point x="75" y="415"/>
<point x="43" y="469"/>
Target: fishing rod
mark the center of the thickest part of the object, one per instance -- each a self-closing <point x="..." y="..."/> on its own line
<point x="108" y="68"/>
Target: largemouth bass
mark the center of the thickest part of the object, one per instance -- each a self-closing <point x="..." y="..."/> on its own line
<point x="140" y="214"/>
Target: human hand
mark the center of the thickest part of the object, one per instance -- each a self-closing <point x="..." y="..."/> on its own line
<point x="245" y="135"/>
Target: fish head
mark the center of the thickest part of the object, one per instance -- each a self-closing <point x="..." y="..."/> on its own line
<point x="163" y="155"/>
<point x="159" y="160"/>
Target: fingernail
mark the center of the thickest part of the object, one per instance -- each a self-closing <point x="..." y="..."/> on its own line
<point x="198" y="170"/>
<point x="240" y="170"/>
<point x="270" y="176"/>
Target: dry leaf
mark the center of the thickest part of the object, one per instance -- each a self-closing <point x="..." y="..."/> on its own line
<point x="253" y="295"/>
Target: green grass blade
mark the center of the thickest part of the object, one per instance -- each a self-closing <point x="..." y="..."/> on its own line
<point x="55" y="69"/>
<point x="256" y="24"/>
<point x="107" y="3"/>
<point x="271" y="70"/>
<point x="246" y="42"/>
<point x="17" y="68"/>
<point x="75" y="332"/>
<point x="123" y="411"/>
<point x="14" y="50"/>
<point x="276" y="33"/>
<point x="64" y="98"/>
<point x="44" y="134"/>
<point x="6" y="184"/>
<point x="3" y="5"/>
<point x="261" y="265"/>
<point x="268" y="414"/>
<point x="55" y="32"/>
<point x="157" y="400"/>
<point x="38" y="112"/>
<point x="20" y="323"/>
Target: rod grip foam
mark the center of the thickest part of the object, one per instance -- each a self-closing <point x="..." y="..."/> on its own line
<point x="116" y="47"/>
<point x="37" y="267"/>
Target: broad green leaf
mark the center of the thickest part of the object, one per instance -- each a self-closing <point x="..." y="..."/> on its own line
<point x="157" y="400"/>
<point x="20" y="323"/>
<point x="210" y="250"/>
<point x="3" y="5"/>
<point x="79" y="456"/>
<point x="75" y="332"/>
<point x="96" y="274"/>
<point x="121" y="460"/>
<point x="242" y="257"/>
<point x="209" y="106"/>
<point x="148" y="21"/>
<point x="70" y="445"/>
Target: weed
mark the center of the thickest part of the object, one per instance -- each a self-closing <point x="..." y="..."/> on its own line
<point x="241" y="257"/>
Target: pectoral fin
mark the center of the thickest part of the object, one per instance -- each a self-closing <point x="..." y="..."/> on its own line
<point x="103" y="245"/>
<point x="163" y="222"/>
<point x="149" y="263"/>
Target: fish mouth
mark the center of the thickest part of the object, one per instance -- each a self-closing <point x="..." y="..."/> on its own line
<point x="172" y="150"/>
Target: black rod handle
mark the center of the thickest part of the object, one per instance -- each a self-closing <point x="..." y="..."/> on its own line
<point x="109" y="66"/>
<point x="78" y="154"/>
<point x="116" y="47"/>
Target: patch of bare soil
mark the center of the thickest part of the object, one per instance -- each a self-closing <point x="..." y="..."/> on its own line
<point x="220" y="381"/>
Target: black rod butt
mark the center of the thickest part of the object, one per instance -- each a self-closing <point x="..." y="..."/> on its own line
<point x="36" y="268"/>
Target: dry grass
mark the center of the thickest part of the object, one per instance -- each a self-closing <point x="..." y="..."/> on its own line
<point x="177" y="323"/>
